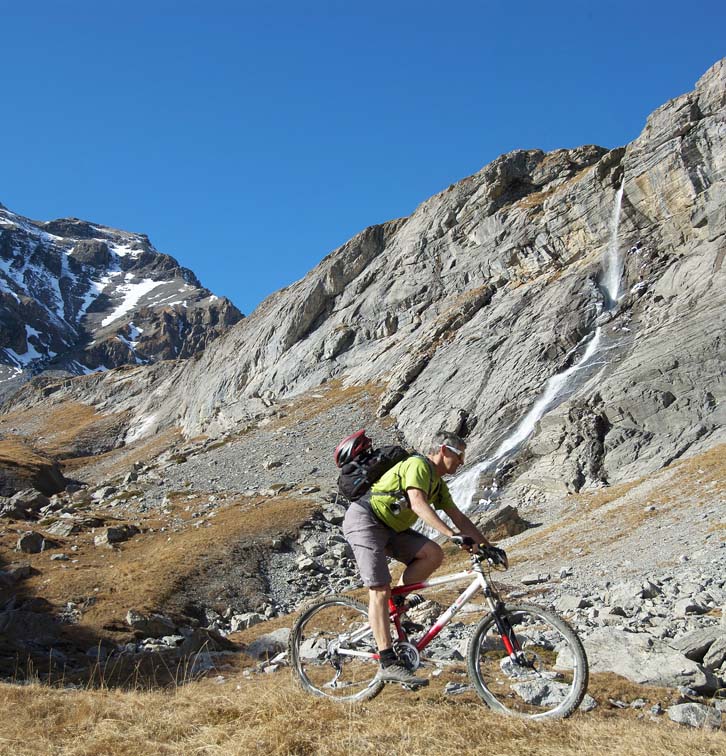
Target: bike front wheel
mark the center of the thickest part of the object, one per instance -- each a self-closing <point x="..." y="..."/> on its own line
<point x="545" y="676"/>
<point x="331" y="650"/>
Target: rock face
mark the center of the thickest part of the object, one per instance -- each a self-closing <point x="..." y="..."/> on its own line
<point x="500" y="298"/>
<point x="78" y="297"/>
<point x="465" y="309"/>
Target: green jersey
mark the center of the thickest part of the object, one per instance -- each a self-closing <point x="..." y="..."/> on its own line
<point x="388" y="502"/>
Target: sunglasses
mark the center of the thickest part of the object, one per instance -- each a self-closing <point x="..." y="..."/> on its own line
<point x="454" y="450"/>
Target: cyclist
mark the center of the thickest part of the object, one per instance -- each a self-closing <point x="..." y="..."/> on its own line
<point x="380" y="524"/>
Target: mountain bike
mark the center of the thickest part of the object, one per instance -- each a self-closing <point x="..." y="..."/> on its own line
<point x="522" y="660"/>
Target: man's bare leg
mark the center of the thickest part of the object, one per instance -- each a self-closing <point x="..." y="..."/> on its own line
<point x="427" y="561"/>
<point x="378" y="615"/>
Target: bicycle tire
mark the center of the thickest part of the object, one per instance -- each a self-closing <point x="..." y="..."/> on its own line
<point x="552" y="680"/>
<point x="317" y="667"/>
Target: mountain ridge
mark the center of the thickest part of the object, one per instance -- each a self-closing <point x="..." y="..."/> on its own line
<point x="77" y="297"/>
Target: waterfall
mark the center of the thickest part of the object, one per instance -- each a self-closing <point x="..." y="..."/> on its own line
<point x="464" y="486"/>
<point x="613" y="270"/>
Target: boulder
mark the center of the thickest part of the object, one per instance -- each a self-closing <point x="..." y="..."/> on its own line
<point x="14" y="573"/>
<point x="151" y="625"/>
<point x="115" y="534"/>
<point x="64" y="527"/>
<point x="31" y="542"/>
<point x="695" y="715"/>
<point x="501" y="523"/>
<point x="644" y="660"/>
<point x="244" y="621"/>
<point x="23" y="467"/>
<point x="203" y="639"/>
<point x="695" y="644"/>
<point x="334" y="513"/>
<point x="567" y="603"/>
<point x="267" y="646"/>
<point x="716" y="654"/>
<point x="19" y="627"/>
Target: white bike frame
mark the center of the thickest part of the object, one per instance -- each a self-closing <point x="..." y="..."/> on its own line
<point x="478" y="583"/>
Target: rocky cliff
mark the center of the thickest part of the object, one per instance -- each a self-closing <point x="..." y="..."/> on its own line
<point x="77" y="297"/>
<point x="566" y="305"/>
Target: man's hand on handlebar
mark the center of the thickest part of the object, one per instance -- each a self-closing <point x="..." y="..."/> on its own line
<point x="493" y="553"/>
<point x="464" y="542"/>
<point x="497" y="556"/>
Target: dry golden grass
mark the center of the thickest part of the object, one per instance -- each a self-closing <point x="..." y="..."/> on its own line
<point x="18" y="452"/>
<point x="270" y="715"/>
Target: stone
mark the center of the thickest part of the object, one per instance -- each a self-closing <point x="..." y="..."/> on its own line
<point x="115" y="534"/>
<point x="548" y="693"/>
<point x="202" y="640"/>
<point x="686" y="606"/>
<point x="244" y="621"/>
<point x="536" y="579"/>
<point x="15" y="572"/>
<point x="306" y="564"/>
<point x="334" y="513"/>
<point x="695" y="715"/>
<point x="313" y="548"/>
<point x="715" y="657"/>
<point x="643" y="660"/>
<point x="64" y="528"/>
<point x="19" y="627"/>
<point x="695" y="644"/>
<point x="152" y="625"/>
<point x="267" y="646"/>
<point x="105" y="492"/>
<point x="504" y="522"/>
<point x="31" y="542"/>
<point x="567" y="604"/>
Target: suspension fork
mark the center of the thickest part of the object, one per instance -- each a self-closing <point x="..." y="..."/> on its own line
<point x="506" y="631"/>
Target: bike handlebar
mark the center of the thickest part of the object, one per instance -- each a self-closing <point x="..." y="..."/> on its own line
<point x="492" y="554"/>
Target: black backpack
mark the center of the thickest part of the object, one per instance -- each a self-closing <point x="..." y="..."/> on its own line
<point x="357" y="476"/>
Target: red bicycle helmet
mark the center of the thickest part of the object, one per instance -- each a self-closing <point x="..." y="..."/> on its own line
<point x="349" y="448"/>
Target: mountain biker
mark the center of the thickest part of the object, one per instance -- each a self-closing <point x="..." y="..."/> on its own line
<point x="379" y="525"/>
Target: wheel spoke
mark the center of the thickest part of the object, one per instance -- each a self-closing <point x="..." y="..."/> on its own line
<point x="546" y="678"/>
<point x="332" y="651"/>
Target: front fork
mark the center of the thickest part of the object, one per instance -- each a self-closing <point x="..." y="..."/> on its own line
<point x="506" y="631"/>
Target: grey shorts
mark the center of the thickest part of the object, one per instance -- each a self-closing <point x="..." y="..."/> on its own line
<point x="372" y="541"/>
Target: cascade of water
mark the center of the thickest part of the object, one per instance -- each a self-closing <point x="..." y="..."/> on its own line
<point x="464" y="486"/>
<point x="613" y="269"/>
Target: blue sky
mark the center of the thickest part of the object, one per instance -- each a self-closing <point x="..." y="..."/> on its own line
<point x="248" y="140"/>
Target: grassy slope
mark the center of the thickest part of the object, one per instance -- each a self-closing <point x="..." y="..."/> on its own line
<point x="269" y="715"/>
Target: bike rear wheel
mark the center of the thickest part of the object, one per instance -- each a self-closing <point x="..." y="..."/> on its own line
<point x="331" y="647"/>
<point x="547" y="678"/>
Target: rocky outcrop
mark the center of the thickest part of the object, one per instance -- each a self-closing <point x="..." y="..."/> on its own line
<point x="494" y="286"/>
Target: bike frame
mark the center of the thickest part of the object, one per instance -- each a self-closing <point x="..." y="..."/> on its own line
<point x="479" y="582"/>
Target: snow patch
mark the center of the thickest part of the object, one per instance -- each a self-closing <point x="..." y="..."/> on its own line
<point x="132" y="294"/>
